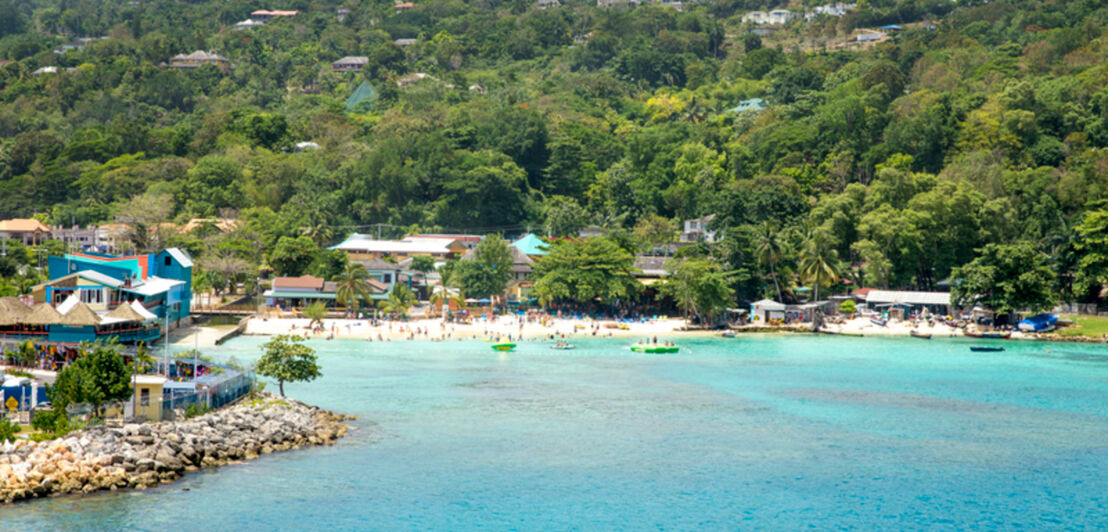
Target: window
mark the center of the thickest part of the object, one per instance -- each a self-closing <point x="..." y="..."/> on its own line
<point x="387" y="278"/>
<point x="168" y="262"/>
<point x="92" y="297"/>
<point x="144" y="397"/>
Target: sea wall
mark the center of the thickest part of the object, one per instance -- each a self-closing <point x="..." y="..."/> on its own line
<point x="138" y="456"/>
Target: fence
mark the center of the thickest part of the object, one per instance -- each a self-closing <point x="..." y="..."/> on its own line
<point x="211" y="392"/>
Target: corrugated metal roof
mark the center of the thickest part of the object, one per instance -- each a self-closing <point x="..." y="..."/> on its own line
<point x="180" y="256"/>
<point x="908" y="297"/>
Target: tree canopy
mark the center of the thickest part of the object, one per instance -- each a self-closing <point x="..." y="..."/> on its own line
<point x="287" y="359"/>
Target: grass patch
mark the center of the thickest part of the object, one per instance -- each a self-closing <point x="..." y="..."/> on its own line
<point x="1090" y="326"/>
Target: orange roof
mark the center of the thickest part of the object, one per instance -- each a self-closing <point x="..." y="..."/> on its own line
<point x="23" y="225"/>
<point x="405" y="5"/>
<point x="304" y="281"/>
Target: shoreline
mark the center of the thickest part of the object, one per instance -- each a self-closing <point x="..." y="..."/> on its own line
<point x="569" y="329"/>
<point x="140" y="456"/>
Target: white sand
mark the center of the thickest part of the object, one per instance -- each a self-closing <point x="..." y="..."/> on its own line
<point x="435" y="329"/>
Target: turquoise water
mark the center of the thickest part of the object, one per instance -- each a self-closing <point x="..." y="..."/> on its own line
<point x="758" y="432"/>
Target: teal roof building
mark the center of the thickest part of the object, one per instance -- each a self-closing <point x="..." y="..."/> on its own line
<point x="531" y="245"/>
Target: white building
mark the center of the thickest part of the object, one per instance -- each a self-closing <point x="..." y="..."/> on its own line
<point x="775" y="17"/>
<point x="696" y="230"/>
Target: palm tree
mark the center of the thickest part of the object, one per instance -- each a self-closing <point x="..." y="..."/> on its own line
<point x="315" y="312"/>
<point x="443" y="296"/>
<point x="399" y="301"/>
<point x="769" y="248"/>
<point x="819" y="262"/>
<point x="352" y="285"/>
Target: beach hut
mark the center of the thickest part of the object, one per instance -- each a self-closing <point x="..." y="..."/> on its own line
<point x="766" y="310"/>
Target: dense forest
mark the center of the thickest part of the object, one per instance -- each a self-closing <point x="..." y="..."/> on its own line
<point x="972" y="140"/>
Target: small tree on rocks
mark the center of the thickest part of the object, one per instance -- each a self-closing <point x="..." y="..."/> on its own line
<point x="286" y="358"/>
<point x="98" y="377"/>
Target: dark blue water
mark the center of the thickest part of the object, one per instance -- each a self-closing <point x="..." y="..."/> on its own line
<point x="759" y="432"/>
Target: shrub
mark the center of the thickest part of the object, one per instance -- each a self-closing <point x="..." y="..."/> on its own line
<point x="848" y="307"/>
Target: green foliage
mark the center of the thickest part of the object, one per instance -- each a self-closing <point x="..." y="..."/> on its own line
<point x="291" y="256"/>
<point x="286" y="358"/>
<point x="315" y="312"/>
<point x="401" y="298"/>
<point x="488" y="273"/>
<point x="698" y="286"/>
<point x="584" y="270"/>
<point x="1005" y="278"/>
<point x="352" y="286"/>
<point x="8" y="430"/>
<point x="848" y="307"/>
<point x="95" y="378"/>
<point x="909" y="155"/>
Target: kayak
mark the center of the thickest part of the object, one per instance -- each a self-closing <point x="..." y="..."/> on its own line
<point x="504" y="346"/>
<point x="655" y="348"/>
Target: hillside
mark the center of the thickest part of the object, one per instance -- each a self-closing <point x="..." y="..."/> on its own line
<point x="897" y="160"/>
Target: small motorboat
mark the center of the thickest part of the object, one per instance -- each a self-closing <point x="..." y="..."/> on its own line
<point x="987" y="348"/>
<point x="995" y="335"/>
<point x="726" y="334"/>
<point x="654" y="348"/>
<point x="564" y="347"/>
<point x="878" y="322"/>
<point x="916" y="334"/>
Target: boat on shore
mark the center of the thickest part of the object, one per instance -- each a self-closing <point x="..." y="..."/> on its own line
<point x="878" y="322"/>
<point x="654" y="348"/>
<point x="990" y="335"/>
<point x="986" y="348"/>
<point x="916" y="334"/>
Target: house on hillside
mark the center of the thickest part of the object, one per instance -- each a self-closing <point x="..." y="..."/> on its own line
<point x="198" y="59"/>
<point x="263" y="15"/>
<point x="350" y="63"/>
<point x="403" y="6"/>
<point x="696" y="230"/>
<point x="248" y="24"/>
<point x="405" y="42"/>
<point x="775" y="17"/>
<point x="751" y="105"/>
<point x="546" y="4"/>
<point x="871" y="36"/>
<point x="27" y="230"/>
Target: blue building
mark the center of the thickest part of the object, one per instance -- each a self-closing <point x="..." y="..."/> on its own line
<point x="161" y="283"/>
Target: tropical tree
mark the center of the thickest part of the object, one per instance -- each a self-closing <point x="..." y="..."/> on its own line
<point x="352" y="286"/>
<point x="1005" y="278"/>
<point x="400" y="300"/>
<point x="422" y="264"/>
<point x="490" y="270"/>
<point x="315" y="312"/>
<point x="819" y="262"/>
<point x="586" y="270"/>
<point x="96" y="378"/>
<point x="443" y="296"/>
<point x="286" y="358"/>
<point x="769" y="248"/>
<point x="698" y="286"/>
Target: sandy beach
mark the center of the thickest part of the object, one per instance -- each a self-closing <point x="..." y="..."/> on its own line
<point x="497" y="327"/>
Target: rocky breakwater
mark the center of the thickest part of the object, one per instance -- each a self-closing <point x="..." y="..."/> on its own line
<point x="144" y="455"/>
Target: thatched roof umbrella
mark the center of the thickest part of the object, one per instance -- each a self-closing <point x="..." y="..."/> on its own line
<point x="125" y="312"/>
<point x="11" y="309"/>
<point x="80" y="316"/>
<point x="42" y="314"/>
